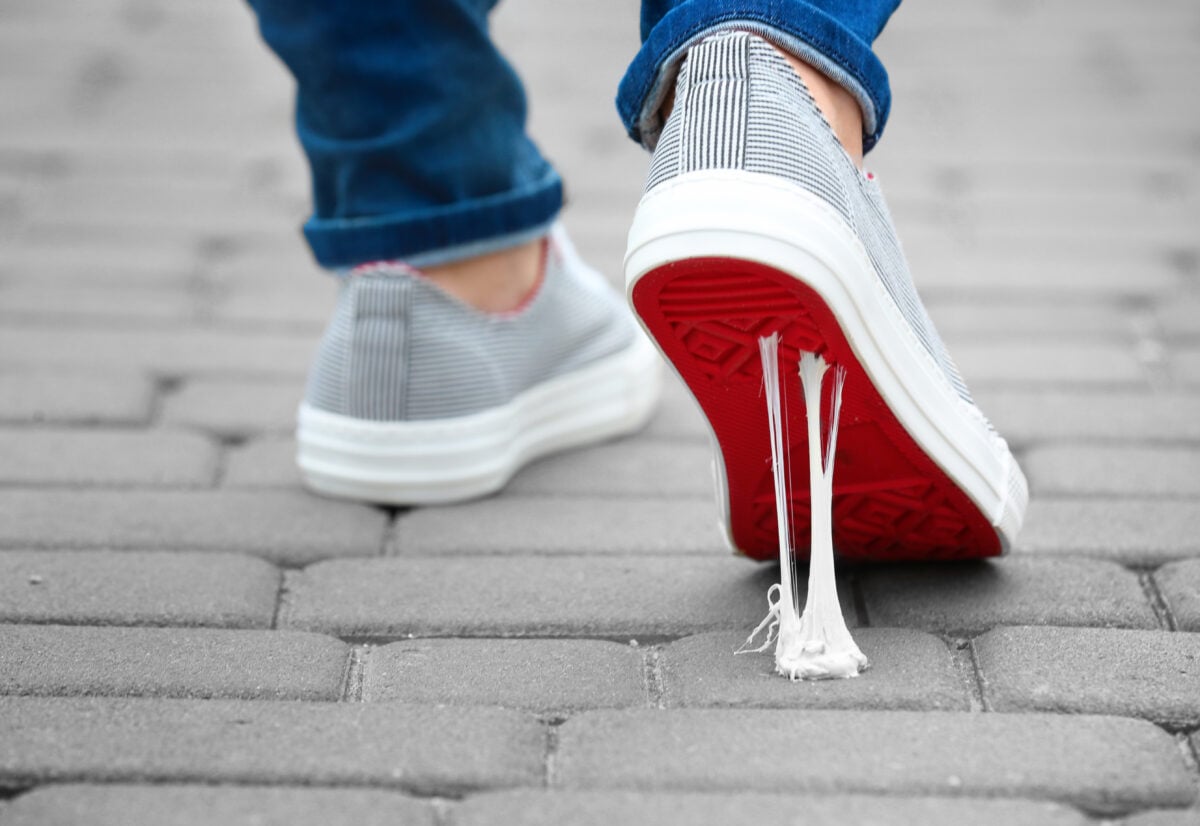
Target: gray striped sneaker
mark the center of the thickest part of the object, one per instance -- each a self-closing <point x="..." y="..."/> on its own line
<point x="417" y="398"/>
<point x="755" y="221"/>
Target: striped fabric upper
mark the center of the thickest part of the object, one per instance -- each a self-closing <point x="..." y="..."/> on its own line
<point x="400" y="349"/>
<point x="739" y="105"/>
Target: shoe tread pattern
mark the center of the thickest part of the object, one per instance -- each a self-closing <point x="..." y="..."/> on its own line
<point x="891" y="501"/>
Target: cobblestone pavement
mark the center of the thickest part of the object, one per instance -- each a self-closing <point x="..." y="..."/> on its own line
<point x="189" y="638"/>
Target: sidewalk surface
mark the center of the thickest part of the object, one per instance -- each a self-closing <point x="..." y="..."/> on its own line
<point x="188" y="637"/>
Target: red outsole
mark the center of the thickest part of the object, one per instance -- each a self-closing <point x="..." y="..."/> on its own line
<point x="890" y="500"/>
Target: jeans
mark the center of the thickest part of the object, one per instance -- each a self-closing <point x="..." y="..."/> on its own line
<point x="414" y="124"/>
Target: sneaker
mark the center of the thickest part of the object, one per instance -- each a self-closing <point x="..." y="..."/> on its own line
<point x="756" y="221"/>
<point x="418" y="398"/>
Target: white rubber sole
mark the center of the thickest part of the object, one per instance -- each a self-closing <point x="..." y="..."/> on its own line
<point x="767" y="220"/>
<point x="450" y="460"/>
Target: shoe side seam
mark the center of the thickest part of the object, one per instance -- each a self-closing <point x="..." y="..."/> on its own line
<point x="681" y="101"/>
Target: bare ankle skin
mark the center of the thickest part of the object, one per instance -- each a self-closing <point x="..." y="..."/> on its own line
<point x="501" y="281"/>
<point x="837" y="105"/>
<point x="497" y="282"/>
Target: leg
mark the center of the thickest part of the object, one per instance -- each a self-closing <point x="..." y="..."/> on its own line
<point x="414" y="128"/>
<point x="435" y="205"/>
<point x="832" y="36"/>
<point x="757" y="221"/>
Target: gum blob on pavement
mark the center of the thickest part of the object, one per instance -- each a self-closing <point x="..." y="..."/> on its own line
<point x="814" y="645"/>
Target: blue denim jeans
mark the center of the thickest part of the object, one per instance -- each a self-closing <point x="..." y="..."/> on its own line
<point x="414" y="124"/>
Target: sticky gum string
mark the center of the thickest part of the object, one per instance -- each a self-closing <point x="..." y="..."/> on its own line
<point x="816" y="644"/>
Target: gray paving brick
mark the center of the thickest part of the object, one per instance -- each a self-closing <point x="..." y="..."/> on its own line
<point x="1062" y="364"/>
<point x="233" y="407"/>
<point x="629" y="467"/>
<point x="1094" y="469"/>
<point x="52" y="301"/>
<point x="91" y="261"/>
<point x="74" y="398"/>
<point x="995" y="216"/>
<point x="137" y="588"/>
<point x="294" y="528"/>
<point x="426" y="749"/>
<point x="43" y="456"/>
<point x="968" y="597"/>
<point x="1179" y="316"/>
<point x="307" y="299"/>
<point x="154" y="205"/>
<point x="538" y="675"/>
<point x="1185" y="366"/>
<point x="1006" y="181"/>
<point x="1102" y="763"/>
<point x="1185" y="363"/>
<point x="909" y="670"/>
<point x="969" y="320"/>
<point x="1179" y="583"/>
<point x="679" y="417"/>
<point x="988" y="267"/>
<point x="1168" y="817"/>
<point x="268" y="462"/>
<point x="121" y="804"/>
<point x="1026" y="417"/>
<point x="1150" y="674"/>
<point x="170" y="662"/>
<point x="526" y="807"/>
<point x="528" y="596"/>
<point x="262" y="263"/>
<point x="555" y="525"/>
<point x="183" y="351"/>
<point x="1133" y="531"/>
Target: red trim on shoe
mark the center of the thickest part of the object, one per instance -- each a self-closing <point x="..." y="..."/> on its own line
<point x="397" y="267"/>
<point x="385" y="267"/>
<point x="890" y="500"/>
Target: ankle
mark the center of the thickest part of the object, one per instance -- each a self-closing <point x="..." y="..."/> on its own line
<point x="838" y="106"/>
<point x="497" y="282"/>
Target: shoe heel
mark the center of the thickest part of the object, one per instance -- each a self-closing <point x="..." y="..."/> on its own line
<point x="712" y="267"/>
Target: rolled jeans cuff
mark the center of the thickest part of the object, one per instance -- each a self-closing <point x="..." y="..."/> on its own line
<point x="804" y="31"/>
<point x="438" y="235"/>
